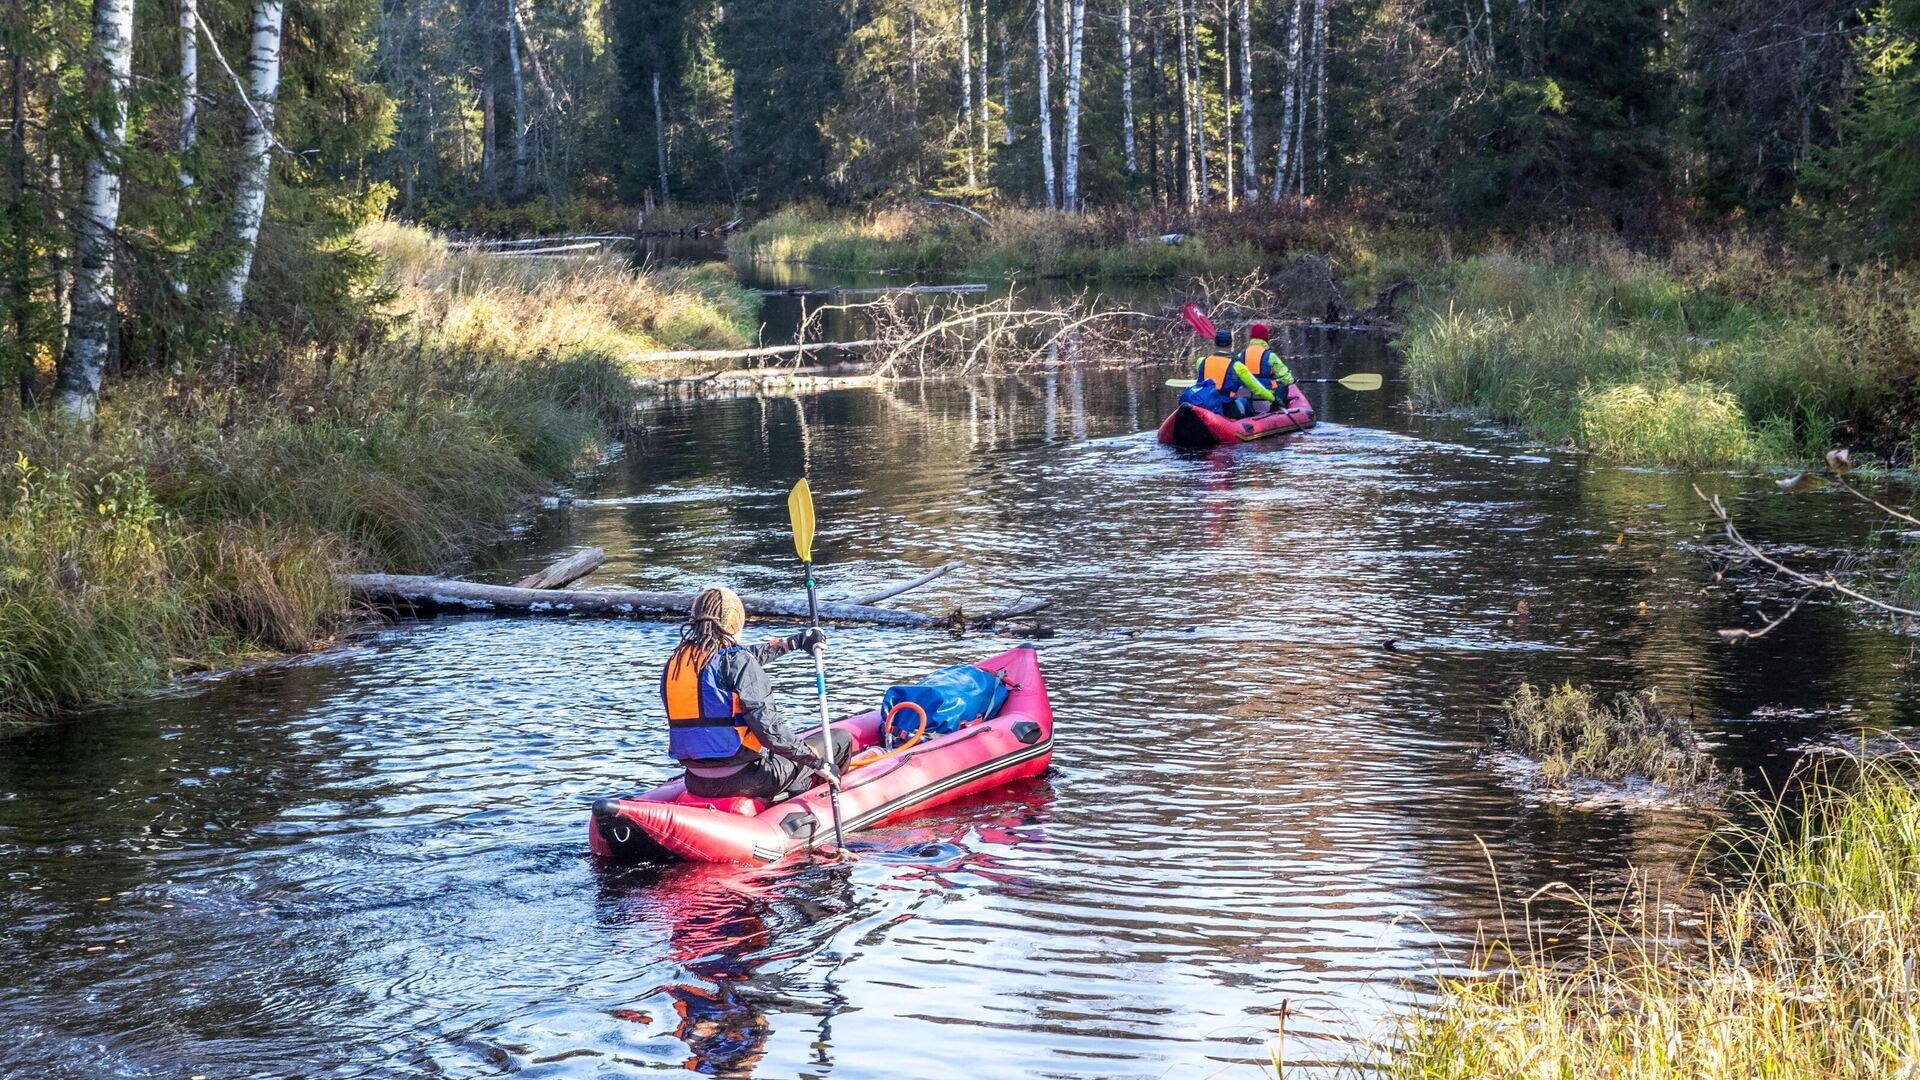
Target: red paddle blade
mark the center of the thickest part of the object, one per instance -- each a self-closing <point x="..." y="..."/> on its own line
<point x="1198" y="320"/>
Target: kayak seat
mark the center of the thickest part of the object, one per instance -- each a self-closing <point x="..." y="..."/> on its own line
<point x="741" y="805"/>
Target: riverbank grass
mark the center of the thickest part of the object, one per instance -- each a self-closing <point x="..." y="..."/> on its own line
<point x="1719" y="356"/>
<point x="1018" y="242"/>
<point x="206" y="519"/>
<point x="515" y="305"/>
<point x="1809" y="969"/>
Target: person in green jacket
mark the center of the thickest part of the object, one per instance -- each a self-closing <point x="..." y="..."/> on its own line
<point x="1264" y="364"/>
<point x="1247" y="395"/>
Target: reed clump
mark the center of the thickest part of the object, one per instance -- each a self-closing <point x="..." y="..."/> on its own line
<point x="1809" y="967"/>
<point x="1576" y="735"/>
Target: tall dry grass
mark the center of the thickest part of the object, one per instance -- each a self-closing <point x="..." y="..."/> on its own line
<point x="1808" y="969"/>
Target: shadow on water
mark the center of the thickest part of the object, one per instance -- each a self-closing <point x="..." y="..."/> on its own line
<point x="1273" y="673"/>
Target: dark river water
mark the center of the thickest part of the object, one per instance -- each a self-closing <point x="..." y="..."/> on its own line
<point x="374" y="862"/>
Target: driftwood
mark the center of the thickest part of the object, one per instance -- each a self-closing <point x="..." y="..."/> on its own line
<point x="537" y="241"/>
<point x="898" y="290"/>
<point x="889" y="593"/>
<point x="770" y="350"/>
<point x="566" y="571"/>
<point x="430" y="594"/>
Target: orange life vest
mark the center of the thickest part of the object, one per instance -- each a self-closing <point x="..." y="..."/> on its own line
<point x="702" y="716"/>
<point x="1219" y="367"/>
<point x="1256" y="360"/>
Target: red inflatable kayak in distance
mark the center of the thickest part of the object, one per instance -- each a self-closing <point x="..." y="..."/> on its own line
<point x="1189" y="426"/>
<point x="667" y="823"/>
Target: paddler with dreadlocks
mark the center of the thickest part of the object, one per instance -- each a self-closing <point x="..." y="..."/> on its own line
<point x="722" y="724"/>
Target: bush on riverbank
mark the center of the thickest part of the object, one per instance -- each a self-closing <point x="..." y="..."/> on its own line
<point x="207" y="515"/>
<point x="1808" y="969"/>
<point x="1720" y="355"/>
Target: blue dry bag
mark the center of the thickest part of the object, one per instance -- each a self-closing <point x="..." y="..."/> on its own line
<point x="952" y="696"/>
<point x="1205" y="395"/>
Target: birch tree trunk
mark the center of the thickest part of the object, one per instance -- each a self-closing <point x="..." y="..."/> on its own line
<point x="1320" y="91"/>
<point x="1226" y="97"/>
<point x="1283" y="158"/>
<point x="1126" y="85"/>
<point x="263" y="88"/>
<point x="1006" y="88"/>
<point x="966" y="91"/>
<point x="913" y="92"/>
<point x="1158" y="65"/>
<point x="1046" y="107"/>
<point x="1189" y="175"/>
<point x="1199" y="98"/>
<point x="19" y="291"/>
<point x="985" y="120"/>
<point x="189" y="118"/>
<point x="489" y="129"/>
<point x="1070" y="197"/>
<point x="519" y="105"/>
<point x="660" y="138"/>
<point x="1249" y="153"/>
<point x="90" y="335"/>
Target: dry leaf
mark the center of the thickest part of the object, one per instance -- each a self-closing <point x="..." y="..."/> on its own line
<point x="1839" y="462"/>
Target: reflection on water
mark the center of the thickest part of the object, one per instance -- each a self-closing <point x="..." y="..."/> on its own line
<point x="1273" y="668"/>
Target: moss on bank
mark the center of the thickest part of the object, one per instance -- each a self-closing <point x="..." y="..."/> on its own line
<point x="1721" y="355"/>
<point x="205" y="519"/>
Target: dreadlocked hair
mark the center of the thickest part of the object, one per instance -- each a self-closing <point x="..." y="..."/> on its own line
<point x="706" y="631"/>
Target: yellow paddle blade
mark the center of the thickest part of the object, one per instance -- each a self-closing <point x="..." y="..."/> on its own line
<point x="800" y="510"/>
<point x="1368" y="381"/>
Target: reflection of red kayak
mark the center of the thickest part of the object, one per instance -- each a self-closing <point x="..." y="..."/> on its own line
<point x="1189" y="426"/>
<point x="667" y="823"/>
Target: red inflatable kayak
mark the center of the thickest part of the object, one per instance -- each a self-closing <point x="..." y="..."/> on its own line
<point x="1189" y="426"/>
<point x="668" y="823"/>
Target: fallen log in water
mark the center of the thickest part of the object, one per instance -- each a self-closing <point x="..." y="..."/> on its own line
<point x="431" y="594"/>
<point x="751" y="354"/>
<point x="889" y="593"/>
<point x="895" y="290"/>
<point x="566" y="571"/>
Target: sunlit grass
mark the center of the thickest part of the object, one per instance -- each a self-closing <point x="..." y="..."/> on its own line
<point x="529" y="305"/>
<point x="1708" y="359"/>
<point x="1809" y="969"/>
<point x="1019" y="242"/>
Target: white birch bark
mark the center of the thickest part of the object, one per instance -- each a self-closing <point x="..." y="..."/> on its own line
<point x="1189" y="173"/>
<point x="966" y="91"/>
<point x="1006" y="88"/>
<point x="1046" y="107"/>
<point x="1126" y="85"/>
<point x="660" y="138"/>
<point x="89" y="335"/>
<point x="1283" y="158"/>
<point x="189" y="116"/>
<point x="1320" y="93"/>
<point x="1199" y="99"/>
<point x="519" y="104"/>
<point x="1070" y="188"/>
<point x="263" y="88"/>
<point x="1249" y="155"/>
<point x="985" y="96"/>
<point x="1226" y="97"/>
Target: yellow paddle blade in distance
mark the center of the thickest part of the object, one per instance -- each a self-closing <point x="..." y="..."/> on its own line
<point x="800" y="510"/>
<point x="1368" y="381"/>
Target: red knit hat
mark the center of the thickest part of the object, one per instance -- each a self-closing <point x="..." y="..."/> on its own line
<point x="1257" y="330"/>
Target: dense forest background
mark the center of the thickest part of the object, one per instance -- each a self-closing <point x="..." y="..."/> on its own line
<point x="177" y="169"/>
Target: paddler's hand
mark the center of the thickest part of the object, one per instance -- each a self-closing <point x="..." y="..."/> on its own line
<point x="828" y="778"/>
<point x="812" y="639"/>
